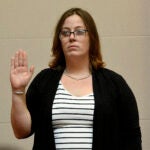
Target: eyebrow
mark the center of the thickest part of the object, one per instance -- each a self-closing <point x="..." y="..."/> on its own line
<point x="77" y="27"/>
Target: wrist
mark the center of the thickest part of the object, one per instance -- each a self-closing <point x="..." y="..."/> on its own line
<point x="19" y="92"/>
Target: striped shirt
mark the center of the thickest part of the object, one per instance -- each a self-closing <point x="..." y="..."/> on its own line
<point x="72" y="119"/>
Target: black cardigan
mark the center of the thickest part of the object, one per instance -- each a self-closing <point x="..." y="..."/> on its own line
<point x="116" y="118"/>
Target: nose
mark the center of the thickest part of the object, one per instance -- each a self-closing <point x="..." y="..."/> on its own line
<point x="72" y="35"/>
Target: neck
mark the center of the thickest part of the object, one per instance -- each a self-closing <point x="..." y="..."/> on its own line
<point x="77" y="67"/>
<point x="77" y="70"/>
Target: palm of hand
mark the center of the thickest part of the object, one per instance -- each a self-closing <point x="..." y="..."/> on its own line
<point x="20" y="75"/>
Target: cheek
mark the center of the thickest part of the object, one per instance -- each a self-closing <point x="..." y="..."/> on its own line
<point x="63" y="45"/>
<point x="86" y="44"/>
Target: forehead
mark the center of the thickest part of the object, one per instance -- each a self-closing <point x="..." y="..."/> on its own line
<point x="73" y="22"/>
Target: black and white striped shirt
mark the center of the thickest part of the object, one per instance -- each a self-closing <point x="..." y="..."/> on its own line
<point x="72" y="120"/>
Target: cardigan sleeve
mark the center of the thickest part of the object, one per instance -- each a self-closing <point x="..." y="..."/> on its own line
<point x="43" y="85"/>
<point x="128" y="116"/>
<point x="33" y="100"/>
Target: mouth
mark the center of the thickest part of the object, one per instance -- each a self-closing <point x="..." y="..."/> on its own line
<point x="72" y="46"/>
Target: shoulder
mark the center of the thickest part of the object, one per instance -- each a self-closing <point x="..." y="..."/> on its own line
<point x="48" y="73"/>
<point x="46" y="76"/>
<point x="108" y="74"/>
<point x="110" y="77"/>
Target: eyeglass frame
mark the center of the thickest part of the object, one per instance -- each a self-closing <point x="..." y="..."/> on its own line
<point x="72" y="32"/>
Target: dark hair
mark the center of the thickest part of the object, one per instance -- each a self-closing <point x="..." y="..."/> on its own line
<point x="95" y="55"/>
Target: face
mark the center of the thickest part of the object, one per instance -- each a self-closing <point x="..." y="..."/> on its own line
<point x="77" y="43"/>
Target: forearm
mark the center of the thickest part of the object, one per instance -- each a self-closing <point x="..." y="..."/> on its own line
<point x="20" y="116"/>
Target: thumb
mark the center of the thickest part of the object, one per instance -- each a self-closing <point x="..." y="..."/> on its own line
<point x="31" y="70"/>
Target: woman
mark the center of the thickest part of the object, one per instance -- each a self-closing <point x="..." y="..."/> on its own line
<point x="76" y="103"/>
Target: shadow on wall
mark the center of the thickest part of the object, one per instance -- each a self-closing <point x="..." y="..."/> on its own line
<point x="9" y="148"/>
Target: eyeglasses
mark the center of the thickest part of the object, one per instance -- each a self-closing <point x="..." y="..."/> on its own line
<point x="64" y="34"/>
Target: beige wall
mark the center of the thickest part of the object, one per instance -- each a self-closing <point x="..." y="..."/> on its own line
<point x="124" y="28"/>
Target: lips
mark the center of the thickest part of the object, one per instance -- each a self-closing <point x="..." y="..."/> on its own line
<point x="72" y="46"/>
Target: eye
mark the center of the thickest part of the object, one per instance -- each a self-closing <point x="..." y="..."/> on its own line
<point x="65" y="33"/>
<point x="80" y="32"/>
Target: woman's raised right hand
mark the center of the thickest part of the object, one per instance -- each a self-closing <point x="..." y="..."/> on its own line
<point x="20" y="74"/>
